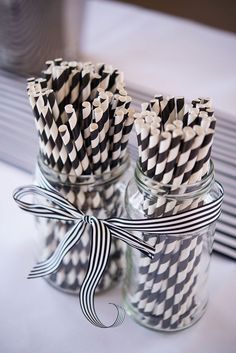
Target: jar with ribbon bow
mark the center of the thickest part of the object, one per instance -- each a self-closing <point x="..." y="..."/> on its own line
<point x="53" y="206"/>
<point x="95" y="195"/>
<point x="83" y="118"/>
<point x="170" y="291"/>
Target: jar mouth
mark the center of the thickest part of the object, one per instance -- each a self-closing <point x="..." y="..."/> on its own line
<point x="183" y="191"/>
<point x="88" y="180"/>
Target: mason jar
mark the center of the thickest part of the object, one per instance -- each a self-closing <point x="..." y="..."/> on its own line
<point x="99" y="195"/>
<point x="170" y="291"/>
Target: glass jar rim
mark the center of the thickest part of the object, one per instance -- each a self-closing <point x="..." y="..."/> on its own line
<point x="65" y="179"/>
<point x="183" y="191"/>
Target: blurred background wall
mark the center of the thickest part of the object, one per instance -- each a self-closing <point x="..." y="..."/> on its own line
<point x="216" y="13"/>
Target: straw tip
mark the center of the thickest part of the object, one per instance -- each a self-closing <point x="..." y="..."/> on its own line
<point x="93" y="127"/>
<point x="69" y="108"/>
<point x="62" y="128"/>
<point x="85" y="104"/>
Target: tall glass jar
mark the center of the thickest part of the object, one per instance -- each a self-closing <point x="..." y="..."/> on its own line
<point x="99" y="195"/>
<point x="170" y="291"/>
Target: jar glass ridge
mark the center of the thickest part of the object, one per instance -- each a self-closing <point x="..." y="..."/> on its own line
<point x="170" y="291"/>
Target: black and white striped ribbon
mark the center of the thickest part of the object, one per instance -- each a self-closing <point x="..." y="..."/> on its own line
<point x="102" y="230"/>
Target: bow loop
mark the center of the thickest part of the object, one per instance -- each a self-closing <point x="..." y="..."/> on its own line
<point x="64" y="211"/>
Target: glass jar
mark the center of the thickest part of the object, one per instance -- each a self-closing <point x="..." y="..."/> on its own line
<point x="99" y="195"/>
<point x="170" y="291"/>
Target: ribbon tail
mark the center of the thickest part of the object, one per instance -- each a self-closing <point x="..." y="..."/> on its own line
<point x="100" y="249"/>
<point x="49" y="266"/>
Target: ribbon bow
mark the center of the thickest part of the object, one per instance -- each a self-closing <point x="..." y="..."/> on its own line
<point x="102" y="231"/>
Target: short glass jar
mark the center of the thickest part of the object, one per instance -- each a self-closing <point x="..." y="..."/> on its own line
<point x="170" y="291"/>
<point x="99" y="195"/>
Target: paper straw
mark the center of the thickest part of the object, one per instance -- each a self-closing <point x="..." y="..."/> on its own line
<point x="164" y="111"/>
<point x="172" y="156"/>
<point x="172" y="109"/>
<point x="112" y="80"/>
<point x="145" y="107"/>
<point x="202" y="157"/>
<point x="138" y="122"/>
<point x="193" y="117"/>
<point x="155" y="106"/>
<point x="85" y="89"/>
<point x="42" y="83"/>
<point x="159" y="97"/>
<point x="186" y="279"/>
<point x="60" y="90"/>
<point x="42" y="110"/>
<point x="185" y="149"/>
<point x="71" y="150"/>
<point x="144" y="136"/>
<point x="58" y="151"/>
<point x="40" y="124"/>
<point x="96" y="157"/>
<point x="171" y="290"/>
<point x="78" y="139"/>
<point x="105" y="78"/>
<point x="54" y="107"/>
<point x="95" y="80"/>
<point x="116" y="145"/>
<point x="180" y="108"/>
<point x="87" y="120"/>
<point x="164" y="144"/>
<point x="47" y="74"/>
<point x="198" y="140"/>
<point x="128" y="125"/>
<point x="98" y="114"/>
<point x="166" y="262"/>
<point x="152" y="152"/>
<point x="75" y="89"/>
<point x="204" y="120"/>
<point x="169" y="273"/>
<point x="104" y="104"/>
<point x="195" y="102"/>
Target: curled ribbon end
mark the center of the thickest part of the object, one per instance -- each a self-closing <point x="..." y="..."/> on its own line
<point x="30" y="276"/>
<point x="34" y="274"/>
<point x="121" y="313"/>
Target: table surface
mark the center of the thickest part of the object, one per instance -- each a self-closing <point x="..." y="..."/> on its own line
<point x="156" y="52"/>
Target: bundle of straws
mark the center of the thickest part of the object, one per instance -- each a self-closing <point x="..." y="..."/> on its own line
<point x="174" y="146"/>
<point x="83" y="118"/>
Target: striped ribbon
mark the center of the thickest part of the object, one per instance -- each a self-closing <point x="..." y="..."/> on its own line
<point x="102" y="231"/>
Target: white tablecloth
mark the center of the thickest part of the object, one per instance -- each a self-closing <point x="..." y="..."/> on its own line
<point x="160" y="53"/>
